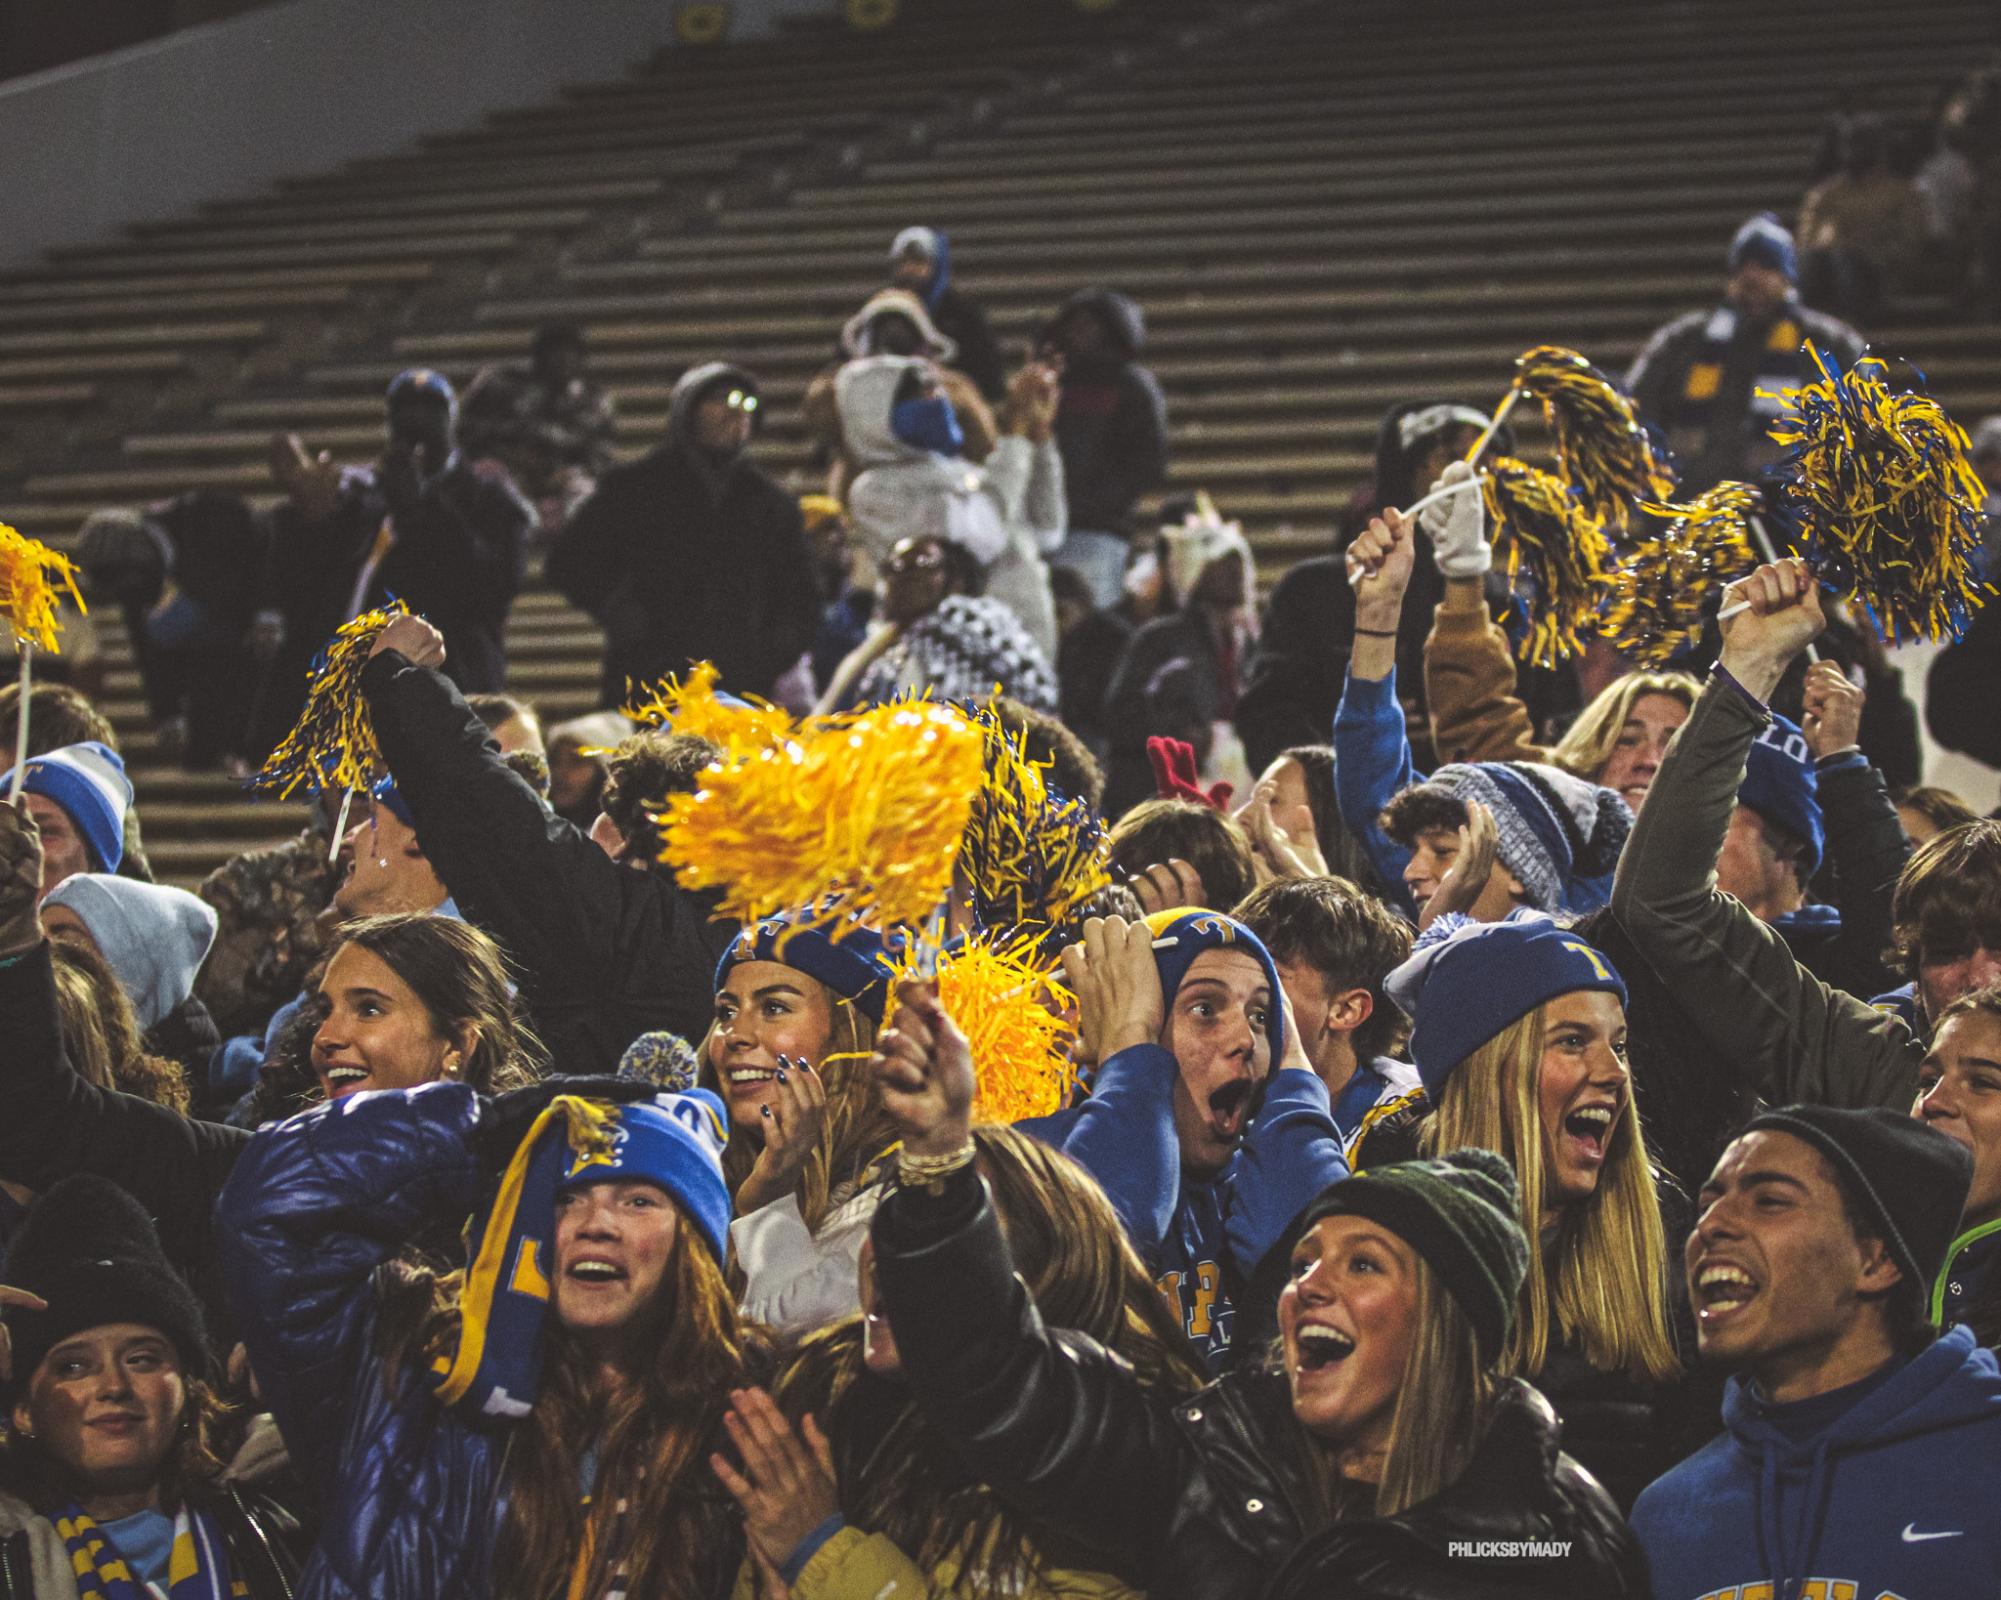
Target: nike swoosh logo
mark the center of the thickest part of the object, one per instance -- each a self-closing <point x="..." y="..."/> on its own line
<point x="1912" y="1536"/>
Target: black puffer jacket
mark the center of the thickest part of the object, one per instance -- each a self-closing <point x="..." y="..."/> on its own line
<point x="1208" y="1497"/>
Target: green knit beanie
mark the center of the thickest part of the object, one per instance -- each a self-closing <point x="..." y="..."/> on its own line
<point x="1461" y="1213"/>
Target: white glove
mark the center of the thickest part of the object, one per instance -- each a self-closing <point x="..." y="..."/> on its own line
<point x="1458" y="527"/>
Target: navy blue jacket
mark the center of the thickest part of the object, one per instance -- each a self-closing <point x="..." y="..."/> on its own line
<point x="408" y="1493"/>
<point x="1894" y="1495"/>
<point x="1203" y="1236"/>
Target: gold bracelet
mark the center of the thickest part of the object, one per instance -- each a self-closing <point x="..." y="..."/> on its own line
<point x="930" y="1172"/>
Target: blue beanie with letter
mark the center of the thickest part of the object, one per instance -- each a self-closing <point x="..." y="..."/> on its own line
<point x="1182" y="934"/>
<point x="1462" y="990"/>
<point x="855" y="966"/>
<point x="1780" y="784"/>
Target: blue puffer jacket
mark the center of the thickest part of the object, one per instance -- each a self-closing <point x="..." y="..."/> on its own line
<point x="408" y="1492"/>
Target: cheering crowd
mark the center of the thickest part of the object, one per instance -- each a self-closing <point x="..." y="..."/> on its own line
<point x="1543" y="1139"/>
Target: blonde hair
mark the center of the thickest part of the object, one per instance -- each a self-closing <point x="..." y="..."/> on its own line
<point x="857" y="1130"/>
<point x="1588" y="745"/>
<point x="1602" y="1277"/>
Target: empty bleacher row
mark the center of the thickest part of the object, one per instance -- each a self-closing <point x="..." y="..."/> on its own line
<point x="1324" y="208"/>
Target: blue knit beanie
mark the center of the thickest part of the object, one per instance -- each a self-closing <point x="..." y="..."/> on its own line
<point x="1180" y="935"/>
<point x="414" y="382"/>
<point x="855" y="966"/>
<point x="676" y="1141"/>
<point x="1462" y="990"/>
<point x="88" y="781"/>
<point x="1765" y="241"/>
<point x="1781" y="786"/>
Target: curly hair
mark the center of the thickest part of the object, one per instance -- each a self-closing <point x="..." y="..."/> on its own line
<point x="640" y="774"/>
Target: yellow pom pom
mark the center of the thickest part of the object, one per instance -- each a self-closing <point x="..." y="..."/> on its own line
<point x="1031" y="857"/>
<point x="860" y="816"/>
<point x="1012" y="1012"/>
<point x="1889" y="507"/>
<point x="691" y="705"/>
<point x="1602" y="451"/>
<point x="1660" y="596"/>
<point x="33" y="579"/>
<point x="332" y="745"/>
<point x="1561" y="548"/>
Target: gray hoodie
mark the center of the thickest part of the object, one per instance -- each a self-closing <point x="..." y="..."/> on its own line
<point x="1007" y="514"/>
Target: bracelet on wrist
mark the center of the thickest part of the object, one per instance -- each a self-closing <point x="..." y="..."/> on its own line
<point x="914" y="1171"/>
<point x="1377" y="633"/>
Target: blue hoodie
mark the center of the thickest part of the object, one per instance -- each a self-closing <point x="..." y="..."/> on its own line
<point x="1204" y="1237"/>
<point x="1894" y="1496"/>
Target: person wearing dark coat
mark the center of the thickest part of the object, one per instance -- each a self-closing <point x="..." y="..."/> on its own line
<point x="692" y="553"/>
<point x="1289" y="1482"/>
<point x="1293" y="683"/>
<point x="1111" y="429"/>
<point x="920" y="260"/>
<point x="604" y="951"/>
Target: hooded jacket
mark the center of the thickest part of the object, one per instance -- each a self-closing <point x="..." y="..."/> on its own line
<point x="1112" y="427"/>
<point x="957" y="317"/>
<point x="1205" y="1498"/>
<point x="1006" y="513"/>
<point x="683" y="558"/>
<point x="1894" y="1496"/>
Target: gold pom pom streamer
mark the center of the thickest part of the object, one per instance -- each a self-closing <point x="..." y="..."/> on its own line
<point x="1658" y="596"/>
<point x="332" y="745"/>
<point x="33" y="579"/>
<point x="1012" y="1011"/>
<point x="693" y="705"/>
<point x="859" y="816"/>
<point x="1887" y="502"/>
<point x="1602" y="451"/>
<point x="1560" y="547"/>
<point x="1030" y="856"/>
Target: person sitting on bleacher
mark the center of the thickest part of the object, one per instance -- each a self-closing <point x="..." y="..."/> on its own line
<point x="546" y="423"/>
<point x="920" y="260"/>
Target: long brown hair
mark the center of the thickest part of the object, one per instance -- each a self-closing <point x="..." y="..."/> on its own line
<point x="678" y="1536"/>
<point x="897" y="1476"/>
<point x="464" y="983"/>
<point x="679" y="1530"/>
<point x="101" y="1034"/>
<point x="1602" y="1278"/>
<point x="857" y="1131"/>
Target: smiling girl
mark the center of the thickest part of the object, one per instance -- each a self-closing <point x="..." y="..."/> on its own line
<point x="1520" y="1040"/>
<point x="1383" y="1431"/>
<point x="110" y="1461"/>
<point x="541" y="1423"/>
<point x="796" y="1018"/>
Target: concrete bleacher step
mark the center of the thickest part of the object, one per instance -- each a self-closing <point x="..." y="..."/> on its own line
<point x="1321" y="214"/>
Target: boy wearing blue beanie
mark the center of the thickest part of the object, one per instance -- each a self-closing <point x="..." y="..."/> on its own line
<point x="78" y="796"/>
<point x="1205" y="1123"/>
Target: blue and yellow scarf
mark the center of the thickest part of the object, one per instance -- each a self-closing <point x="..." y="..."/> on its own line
<point x="197" y="1569"/>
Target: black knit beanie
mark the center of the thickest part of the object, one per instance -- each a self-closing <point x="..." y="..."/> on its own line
<point x="1461" y="1213"/>
<point x="89" y="1249"/>
<point x="1909" y="1179"/>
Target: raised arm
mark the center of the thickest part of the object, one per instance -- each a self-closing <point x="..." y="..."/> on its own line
<point x="1054" y="1421"/>
<point x="56" y="1122"/>
<point x="1371" y="742"/>
<point x="1798" y="1039"/>
<point x="316" y="1204"/>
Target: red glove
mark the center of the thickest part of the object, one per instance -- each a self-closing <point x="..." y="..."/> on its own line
<point x="1174" y="775"/>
